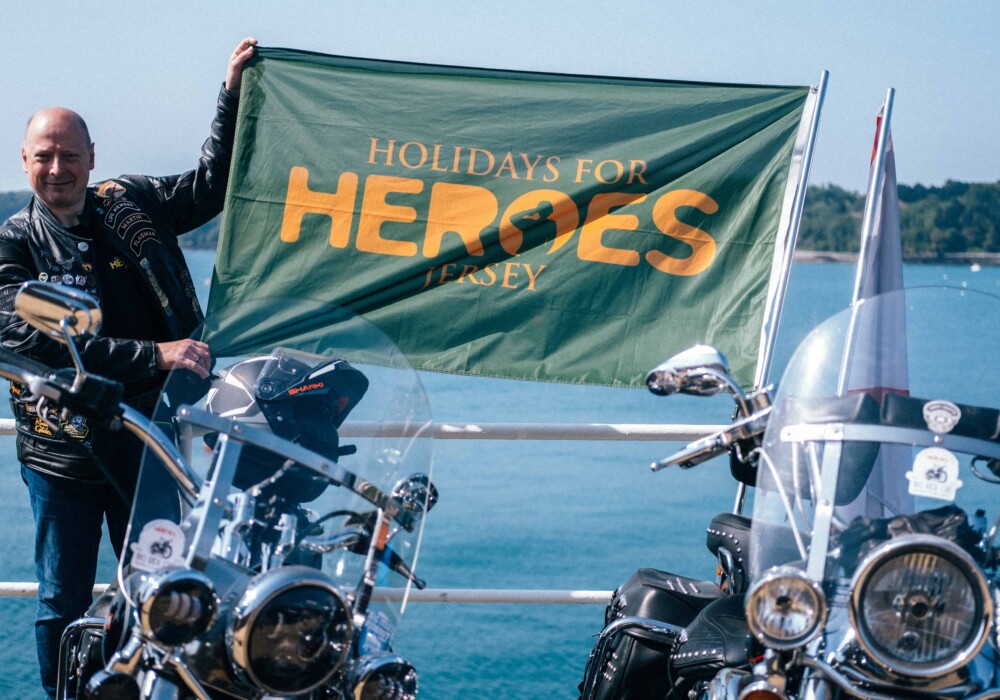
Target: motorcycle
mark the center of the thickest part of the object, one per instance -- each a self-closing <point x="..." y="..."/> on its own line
<point x="265" y="556"/>
<point x="873" y="566"/>
<point x="654" y="612"/>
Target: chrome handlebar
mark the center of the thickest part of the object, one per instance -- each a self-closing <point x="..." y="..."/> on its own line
<point x="46" y="387"/>
<point x="716" y="444"/>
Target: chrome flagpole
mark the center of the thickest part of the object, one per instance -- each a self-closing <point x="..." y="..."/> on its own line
<point x="875" y="353"/>
<point x="788" y="233"/>
<point x="866" y="253"/>
<point x="874" y="199"/>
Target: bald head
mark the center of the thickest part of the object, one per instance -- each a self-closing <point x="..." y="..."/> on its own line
<point x="58" y="156"/>
<point x="59" y="114"/>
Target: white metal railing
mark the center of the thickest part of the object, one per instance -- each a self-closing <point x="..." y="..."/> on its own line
<point x="520" y="431"/>
<point x="479" y="431"/>
<point x="428" y="595"/>
<point x="537" y="431"/>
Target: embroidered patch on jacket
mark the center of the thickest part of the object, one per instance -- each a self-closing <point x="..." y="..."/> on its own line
<point x="76" y="427"/>
<point x="117" y="209"/>
<point x="140" y="238"/>
<point x="130" y="222"/>
<point x="110" y="190"/>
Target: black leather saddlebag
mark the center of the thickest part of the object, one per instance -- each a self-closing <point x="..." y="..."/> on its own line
<point x="636" y="663"/>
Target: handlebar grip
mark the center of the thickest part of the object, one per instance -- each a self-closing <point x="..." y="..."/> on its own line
<point x="91" y="396"/>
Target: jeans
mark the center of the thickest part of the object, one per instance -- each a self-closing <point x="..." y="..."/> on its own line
<point x="68" y="516"/>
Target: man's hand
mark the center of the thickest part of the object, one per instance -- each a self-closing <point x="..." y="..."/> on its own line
<point x="187" y="354"/>
<point x="242" y="54"/>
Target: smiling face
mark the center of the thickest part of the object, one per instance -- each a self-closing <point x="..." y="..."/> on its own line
<point x="58" y="158"/>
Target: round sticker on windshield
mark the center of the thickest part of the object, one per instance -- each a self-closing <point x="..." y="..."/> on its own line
<point x="941" y="416"/>
<point x="160" y="546"/>
<point x="935" y="474"/>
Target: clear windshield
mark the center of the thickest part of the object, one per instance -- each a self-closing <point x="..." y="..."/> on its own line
<point x="313" y="449"/>
<point x="865" y="427"/>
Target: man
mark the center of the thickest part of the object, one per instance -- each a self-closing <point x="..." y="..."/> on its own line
<point x="118" y="241"/>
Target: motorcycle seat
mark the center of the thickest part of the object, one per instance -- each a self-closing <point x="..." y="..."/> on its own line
<point x="728" y="539"/>
<point x="717" y="638"/>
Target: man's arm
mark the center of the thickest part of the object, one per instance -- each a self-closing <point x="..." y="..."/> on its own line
<point x="117" y="358"/>
<point x="195" y="197"/>
<point x="122" y="360"/>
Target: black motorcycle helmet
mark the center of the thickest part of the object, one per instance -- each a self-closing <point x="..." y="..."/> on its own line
<point x="295" y="398"/>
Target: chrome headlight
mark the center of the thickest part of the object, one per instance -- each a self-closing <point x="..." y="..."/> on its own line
<point x="176" y="606"/>
<point x="920" y="606"/>
<point x="382" y="676"/>
<point x="785" y="608"/>
<point x="290" y="631"/>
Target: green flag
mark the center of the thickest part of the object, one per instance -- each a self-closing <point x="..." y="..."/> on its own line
<point x="523" y="225"/>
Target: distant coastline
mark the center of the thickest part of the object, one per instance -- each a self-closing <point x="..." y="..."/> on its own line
<point x="955" y="224"/>
<point x="914" y="258"/>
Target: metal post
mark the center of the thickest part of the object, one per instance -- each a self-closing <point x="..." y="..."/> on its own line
<point x="777" y="300"/>
<point x="776" y="297"/>
<point x="873" y="200"/>
<point x="872" y="203"/>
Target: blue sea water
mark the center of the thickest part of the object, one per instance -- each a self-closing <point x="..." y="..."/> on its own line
<point x="526" y="514"/>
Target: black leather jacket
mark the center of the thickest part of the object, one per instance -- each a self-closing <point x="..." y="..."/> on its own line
<point x="140" y="218"/>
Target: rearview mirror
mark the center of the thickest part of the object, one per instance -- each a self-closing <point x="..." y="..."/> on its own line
<point x="415" y="495"/>
<point x="57" y="310"/>
<point x="701" y="370"/>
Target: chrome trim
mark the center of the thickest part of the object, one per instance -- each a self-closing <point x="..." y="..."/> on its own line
<point x="762" y="685"/>
<point x="946" y="550"/>
<point x="333" y="541"/>
<point x="769" y="577"/>
<point x="671" y="635"/>
<point x="205" y="422"/>
<point x="163" y="447"/>
<point x="69" y="647"/>
<point x="184" y="673"/>
<point x="363" y="669"/>
<point x="157" y="687"/>
<point x="850" y="688"/>
<point x="153" y="587"/>
<point x="261" y="590"/>
<point x="126" y="660"/>
<point x="59" y="311"/>
<point x="863" y="432"/>
<point x="209" y="511"/>
<point x="725" y="685"/>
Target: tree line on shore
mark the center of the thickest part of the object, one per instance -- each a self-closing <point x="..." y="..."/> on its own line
<point x="935" y="222"/>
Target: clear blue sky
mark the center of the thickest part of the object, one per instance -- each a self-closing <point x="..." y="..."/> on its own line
<point x="145" y="74"/>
